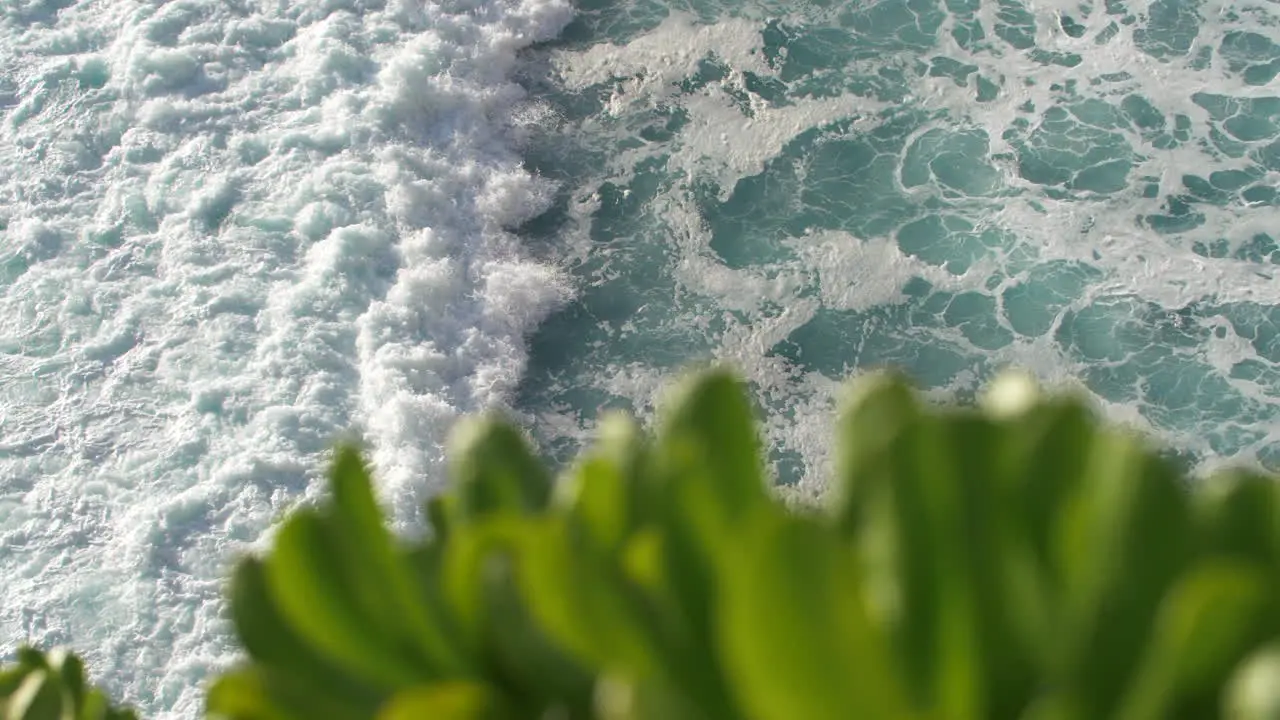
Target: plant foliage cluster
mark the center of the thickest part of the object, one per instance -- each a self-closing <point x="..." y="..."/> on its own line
<point x="1017" y="560"/>
<point x="52" y="686"/>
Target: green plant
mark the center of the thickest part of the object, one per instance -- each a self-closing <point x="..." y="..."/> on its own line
<point x="52" y="686"/>
<point x="1015" y="560"/>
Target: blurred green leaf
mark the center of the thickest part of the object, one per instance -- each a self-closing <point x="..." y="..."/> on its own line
<point x="243" y="694"/>
<point x="1016" y="560"/>
<point x="11" y="679"/>
<point x="605" y="492"/>
<point x="97" y="707"/>
<point x="377" y="574"/>
<point x="312" y="593"/>
<point x="1045" y="451"/>
<point x="1238" y="514"/>
<point x="904" y="577"/>
<point x="876" y="411"/>
<point x="986" y="669"/>
<point x="70" y="672"/>
<point x="52" y="686"/>
<point x="534" y="667"/>
<point x="1042" y="456"/>
<point x="271" y="640"/>
<point x="32" y="659"/>
<point x="1122" y="538"/>
<point x="708" y="447"/>
<point x="439" y="517"/>
<point x="457" y="700"/>
<point x="599" y="505"/>
<point x="37" y="698"/>
<point x="796" y="636"/>
<point x="620" y="698"/>
<point x="494" y="470"/>
<point x="706" y="479"/>
<point x="584" y="603"/>
<point x="938" y="547"/>
<point x="470" y="554"/>
<point x="1204" y="627"/>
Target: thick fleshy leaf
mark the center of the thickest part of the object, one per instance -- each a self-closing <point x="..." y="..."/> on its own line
<point x="1204" y="627"/>
<point x="596" y="499"/>
<point x="243" y="694"/>
<point x="494" y="470"/>
<point x="795" y="635"/>
<point x="463" y="562"/>
<point x="1043" y="456"/>
<point x="70" y="671"/>
<point x="39" y="697"/>
<point x="377" y="574"/>
<point x="455" y="700"/>
<point x="1121" y="540"/>
<point x="938" y="548"/>
<point x="1238" y="514"/>
<point x="1045" y="452"/>
<point x="878" y="408"/>
<point x="439" y="515"/>
<point x="52" y="685"/>
<point x="897" y="540"/>
<point x="536" y="669"/>
<point x="985" y="666"/>
<point x="425" y="562"/>
<point x="11" y="678"/>
<point x="32" y="659"/>
<point x="97" y="707"/>
<point x="517" y="654"/>
<point x="669" y="583"/>
<point x="619" y="698"/>
<point x="662" y="521"/>
<point x="584" y="603"/>
<point x="707" y="435"/>
<point x="272" y="641"/>
<point x="604" y="492"/>
<point x="310" y="589"/>
<point x="688" y="597"/>
<point x="707" y="479"/>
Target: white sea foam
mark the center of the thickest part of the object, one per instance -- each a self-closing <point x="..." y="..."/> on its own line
<point x="229" y="232"/>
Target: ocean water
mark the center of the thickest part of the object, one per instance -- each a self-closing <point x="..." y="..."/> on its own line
<point x="1084" y="189"/>
<point x="231" y="230"/>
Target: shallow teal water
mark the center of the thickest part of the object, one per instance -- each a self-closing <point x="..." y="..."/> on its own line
<point x="807" y="190"/>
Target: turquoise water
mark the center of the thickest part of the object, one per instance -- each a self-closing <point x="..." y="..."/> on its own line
<point x="811" y="189"/>
<point x="230" y="231"/>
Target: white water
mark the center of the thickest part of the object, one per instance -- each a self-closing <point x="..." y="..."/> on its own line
<point x="228" y="232"/>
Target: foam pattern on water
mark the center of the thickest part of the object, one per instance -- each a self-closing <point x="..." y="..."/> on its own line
<point x="230" y="231"/>
<point x="1088" y="189"/>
